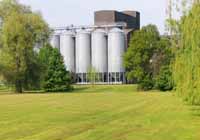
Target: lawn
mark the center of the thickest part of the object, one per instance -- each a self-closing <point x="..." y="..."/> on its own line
<point x="98" y="113"/>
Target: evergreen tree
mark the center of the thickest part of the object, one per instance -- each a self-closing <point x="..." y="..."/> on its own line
<point x="57" y="79"/>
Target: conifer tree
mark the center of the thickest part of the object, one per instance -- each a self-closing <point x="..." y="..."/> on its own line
<point x="57" y="78"/>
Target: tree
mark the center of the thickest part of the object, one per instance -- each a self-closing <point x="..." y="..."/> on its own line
<point x="186" y="69"/>
<point x="57" y="79"/>
<point x="21" y="29"/>
<point x="147" y="52"/>
<point x="8" y="6"/>
<point x="33" y="73"/>
<point x="138" y="56"/>
<point x="43" y="59"/>
<point x="162" y="68"/>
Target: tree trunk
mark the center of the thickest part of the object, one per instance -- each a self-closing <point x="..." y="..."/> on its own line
<point x="18" y="86"/>
<point x="18" y="82"/>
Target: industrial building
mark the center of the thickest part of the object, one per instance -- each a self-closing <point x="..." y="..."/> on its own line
<point x="99" y="47"/>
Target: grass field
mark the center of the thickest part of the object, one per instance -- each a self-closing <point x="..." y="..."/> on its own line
<point x="98" y="113"/>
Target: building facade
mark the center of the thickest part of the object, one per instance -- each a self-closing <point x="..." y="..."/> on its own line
<point x="94" y="54"/>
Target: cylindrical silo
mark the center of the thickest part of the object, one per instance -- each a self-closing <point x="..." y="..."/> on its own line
<point x="67" y="49"/>
<point x="55" y="40"/>
<point x="100" y="53"/>
<point x="116" y="49"/>
<point x="83" y="54"/>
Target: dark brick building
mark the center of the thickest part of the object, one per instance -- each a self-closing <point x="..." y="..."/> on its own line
<point x="131" y="18"/>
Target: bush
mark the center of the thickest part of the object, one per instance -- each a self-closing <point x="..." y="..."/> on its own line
<point x="164" y="80"/>
<point x="146" y="83"/>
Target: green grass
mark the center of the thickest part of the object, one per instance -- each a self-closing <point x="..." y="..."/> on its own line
<point x="98" y="113"/>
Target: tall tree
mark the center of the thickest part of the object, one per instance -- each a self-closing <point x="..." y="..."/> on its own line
<point x="162" y="65"/>
<point x="21" y="30"/>
<point x="138" y="56"/>
<point x="186" y="70"/>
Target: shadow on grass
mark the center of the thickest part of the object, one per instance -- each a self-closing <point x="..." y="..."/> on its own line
<point x="195" y="109"/>
<point x="83" y="89"/>
<point x="79" y="89"/>
<point x="34" y="92"/>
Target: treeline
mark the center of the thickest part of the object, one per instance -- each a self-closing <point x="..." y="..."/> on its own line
<point x="21" y="65"/>
<point x="169" y="62"/>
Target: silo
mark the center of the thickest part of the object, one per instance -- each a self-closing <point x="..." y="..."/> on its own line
<point x="67" y="49"/>
<point x="100" y="54"/>
<point x="83" y="55"/>
<point x="55" y="40"/>
<point x="116" y="49"/>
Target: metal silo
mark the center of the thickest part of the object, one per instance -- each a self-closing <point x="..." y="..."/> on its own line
<point x="100" y="54"/>
<point x="116" y="49"/>
<point x="67" y="49"/>
<point x="83" y="55"/>
<point x="55" y="41"/>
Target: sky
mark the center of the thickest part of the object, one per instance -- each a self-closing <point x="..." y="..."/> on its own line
<point x="81" y="12"/>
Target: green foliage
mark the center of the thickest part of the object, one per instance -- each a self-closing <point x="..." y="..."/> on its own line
<point x="164" y="80"/>
<point x="9" y="6"/>
<point x="21" y="30"/>
<point x="186" y="70"/>
<point x="146" y="54"/>
<point x="57" y="79"/>
<point x="33" y="73"/>
<point x="140" y="51"/>
<point x="1" y="80"/>
<point x="43" y="58"/>
<point x="146" y="83"/>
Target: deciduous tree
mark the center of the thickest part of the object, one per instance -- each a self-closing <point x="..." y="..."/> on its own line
<point x="21" y="29"/>
<point x="186" y="71"/>
<point x="146" y="54"/>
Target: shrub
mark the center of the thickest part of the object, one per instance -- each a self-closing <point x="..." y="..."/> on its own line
<point x="164" y="79"/>
<point x="146" y="83"/>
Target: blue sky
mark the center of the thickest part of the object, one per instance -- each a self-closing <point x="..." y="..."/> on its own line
<point x="80" y="12"/>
